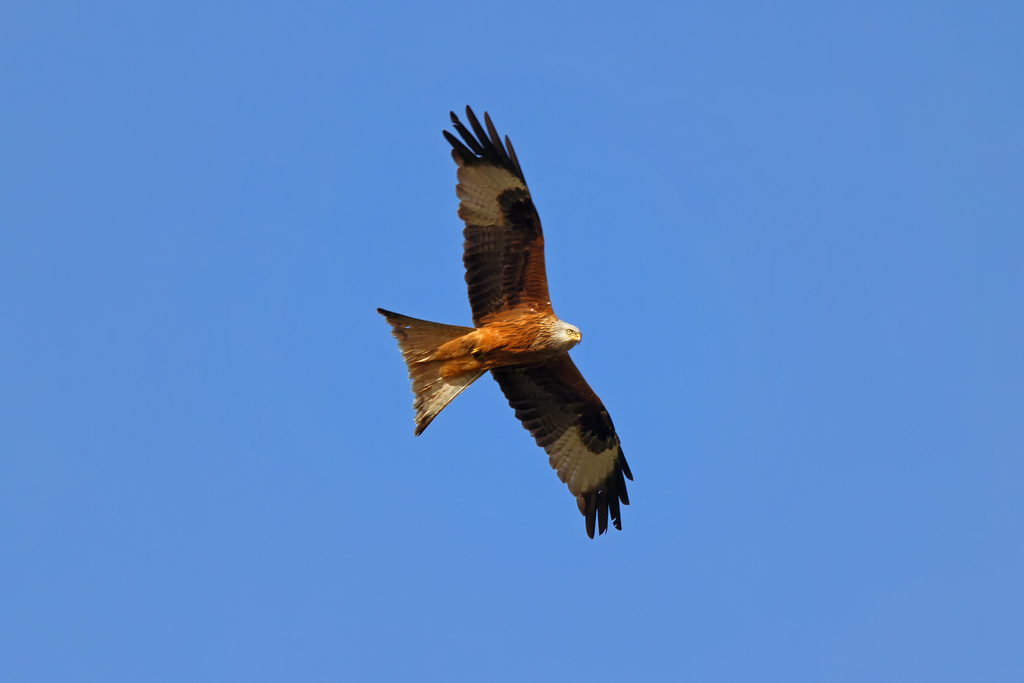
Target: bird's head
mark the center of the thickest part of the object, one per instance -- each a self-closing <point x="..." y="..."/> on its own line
<point x="567" y="336"/>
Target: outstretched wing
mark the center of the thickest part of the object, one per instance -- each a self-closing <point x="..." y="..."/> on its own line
<point x="504" y="246"/>
<point x="568" y="420"/>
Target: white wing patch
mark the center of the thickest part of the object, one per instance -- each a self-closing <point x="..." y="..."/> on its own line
<point x="579" y="468"/>
<point x="478" y="191"/>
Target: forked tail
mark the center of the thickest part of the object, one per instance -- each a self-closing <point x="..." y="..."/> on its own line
<point x="418" y="339"/>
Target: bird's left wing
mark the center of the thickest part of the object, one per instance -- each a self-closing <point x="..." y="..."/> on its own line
<point x="504" y="245"/>
<point x="568" y="420"/>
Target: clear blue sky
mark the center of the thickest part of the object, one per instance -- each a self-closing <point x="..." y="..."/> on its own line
<point x="793" y="237"/>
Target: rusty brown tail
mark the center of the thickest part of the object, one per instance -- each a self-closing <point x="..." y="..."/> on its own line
<point x="418" y="339"/>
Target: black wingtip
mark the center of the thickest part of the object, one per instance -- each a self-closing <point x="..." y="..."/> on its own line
<point x="460" y="152"/>
<point x="512" y="157"/>
<point x="591" y="512"/>
<point x="625" y="465"/>
<point x="492" y="133"/>
<point x="477" y="128"/>
<point x="623" y="495"/>
<point x="481" y="142"/>
<point x="602" y="511"/>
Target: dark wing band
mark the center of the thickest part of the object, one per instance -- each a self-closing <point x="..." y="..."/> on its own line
<point x="568" y="420"/>
<point x="504" y="246"/>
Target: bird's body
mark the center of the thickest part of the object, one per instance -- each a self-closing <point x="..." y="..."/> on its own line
<point x="516" y="335"/>
<point x="512" y="338"/>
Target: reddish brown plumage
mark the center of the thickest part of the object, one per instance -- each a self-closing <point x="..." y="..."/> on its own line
<point x="509" y="337"/>
<point x="516" y="335"/>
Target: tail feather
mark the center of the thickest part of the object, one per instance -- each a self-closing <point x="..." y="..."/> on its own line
<point x="418" y="339"/>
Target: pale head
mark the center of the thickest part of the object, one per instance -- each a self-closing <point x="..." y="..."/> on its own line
<point x="565" y="336"/>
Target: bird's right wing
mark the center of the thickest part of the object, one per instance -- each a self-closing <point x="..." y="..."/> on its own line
<point x="504" y="246"/>
<point x="568" y="420"/>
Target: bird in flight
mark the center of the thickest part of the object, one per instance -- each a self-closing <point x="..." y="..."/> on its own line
<point x="515" y="334"/>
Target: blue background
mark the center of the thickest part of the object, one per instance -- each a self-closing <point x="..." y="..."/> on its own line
<point x="792" y="235"/>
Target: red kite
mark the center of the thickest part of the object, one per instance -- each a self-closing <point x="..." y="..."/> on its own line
<point x="515" y="333"/>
